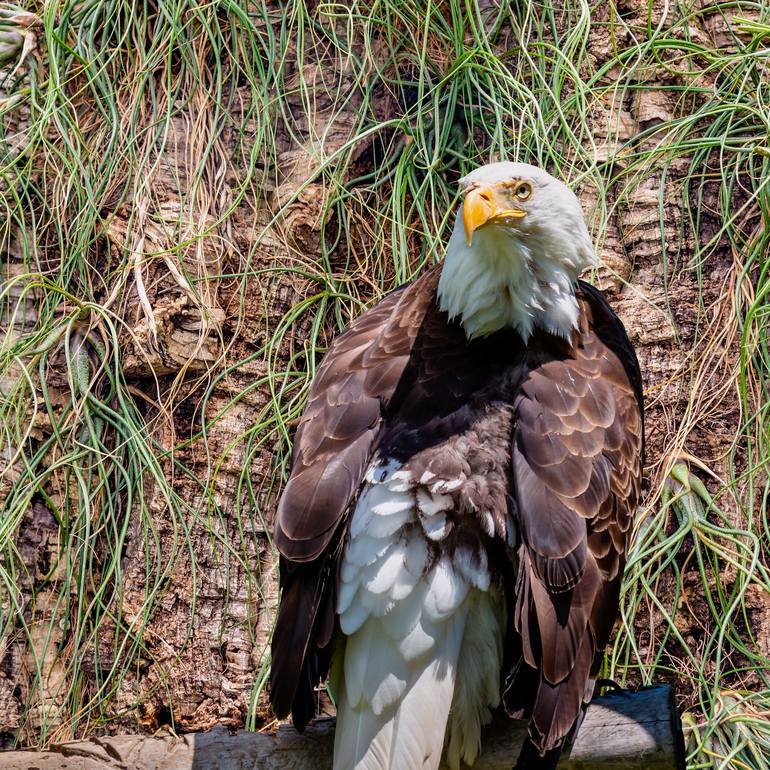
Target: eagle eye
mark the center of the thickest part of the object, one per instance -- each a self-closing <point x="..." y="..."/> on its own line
<point x="523" y="191"/>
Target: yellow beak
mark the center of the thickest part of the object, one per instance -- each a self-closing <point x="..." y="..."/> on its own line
<point x="482" y="205"/>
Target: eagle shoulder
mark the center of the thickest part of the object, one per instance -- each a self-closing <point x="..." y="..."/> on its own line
<point x="356" y="380"/>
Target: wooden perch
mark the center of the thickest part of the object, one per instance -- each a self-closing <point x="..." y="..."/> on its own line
<point x="621" y="731"/>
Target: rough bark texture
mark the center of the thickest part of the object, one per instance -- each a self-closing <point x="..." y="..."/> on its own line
<point x="201" y="660"/>
<point x="622" y="731"/>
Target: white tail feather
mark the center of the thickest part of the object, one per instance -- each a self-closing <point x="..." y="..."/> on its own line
<point x="405" y="619"/>
<point x="408" y="734"/>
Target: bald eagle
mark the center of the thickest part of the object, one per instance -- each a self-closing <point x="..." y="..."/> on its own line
<point x="464" y="479"/>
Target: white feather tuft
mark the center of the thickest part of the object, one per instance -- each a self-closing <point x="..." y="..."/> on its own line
<point x="353" y="618"/>
<point x="427" y="476"/>
<point x="419" y="641"/>
<point x="487" y="522"/>
<point x="406" y="614"/>
<point x="403" y="585"/>
<point x="416" y="556"/>
<point x="380" y="576"/>
<point x="448" y="486"/>
<point x="446" y="591"/>
<point x="436" y="527"/>
<point x="472" y="565"/>
<point x="349" y="571"/>
<point x="477" y="689"/>
<point x="346" y="593"/>
<point x="395" y="504"/>
<point x="430" y="504"/>
<point x="408" y="652"/>
<point x="363" y="550"/>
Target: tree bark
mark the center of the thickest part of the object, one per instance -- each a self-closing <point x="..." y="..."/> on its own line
<point x="204" y="642"/>
<point x="621" y="731"/>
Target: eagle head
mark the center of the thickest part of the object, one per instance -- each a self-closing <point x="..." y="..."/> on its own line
<point x="519" y="243"/>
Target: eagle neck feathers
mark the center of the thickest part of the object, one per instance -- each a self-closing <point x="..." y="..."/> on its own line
<point x="509" y="279"/>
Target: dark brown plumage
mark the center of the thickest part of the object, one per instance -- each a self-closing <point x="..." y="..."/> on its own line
<point x="404" y="382"/>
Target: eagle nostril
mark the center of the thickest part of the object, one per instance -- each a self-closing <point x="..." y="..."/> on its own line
<point x="485" y="197"/>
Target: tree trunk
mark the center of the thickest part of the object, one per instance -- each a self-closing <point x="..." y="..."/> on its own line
<point x="621" y="731"/>
<point x="219" y="259"/>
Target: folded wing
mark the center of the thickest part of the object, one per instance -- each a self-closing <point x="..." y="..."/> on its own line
<point x="348" y="401"/>
<point x="577" y="462"/>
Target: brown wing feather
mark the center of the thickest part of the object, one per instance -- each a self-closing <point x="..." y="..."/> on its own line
<point x="295" y="668"/>
<point x="577" y="462"/>
<point x="335" y="435"/>
<point x="359" y="376"/>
